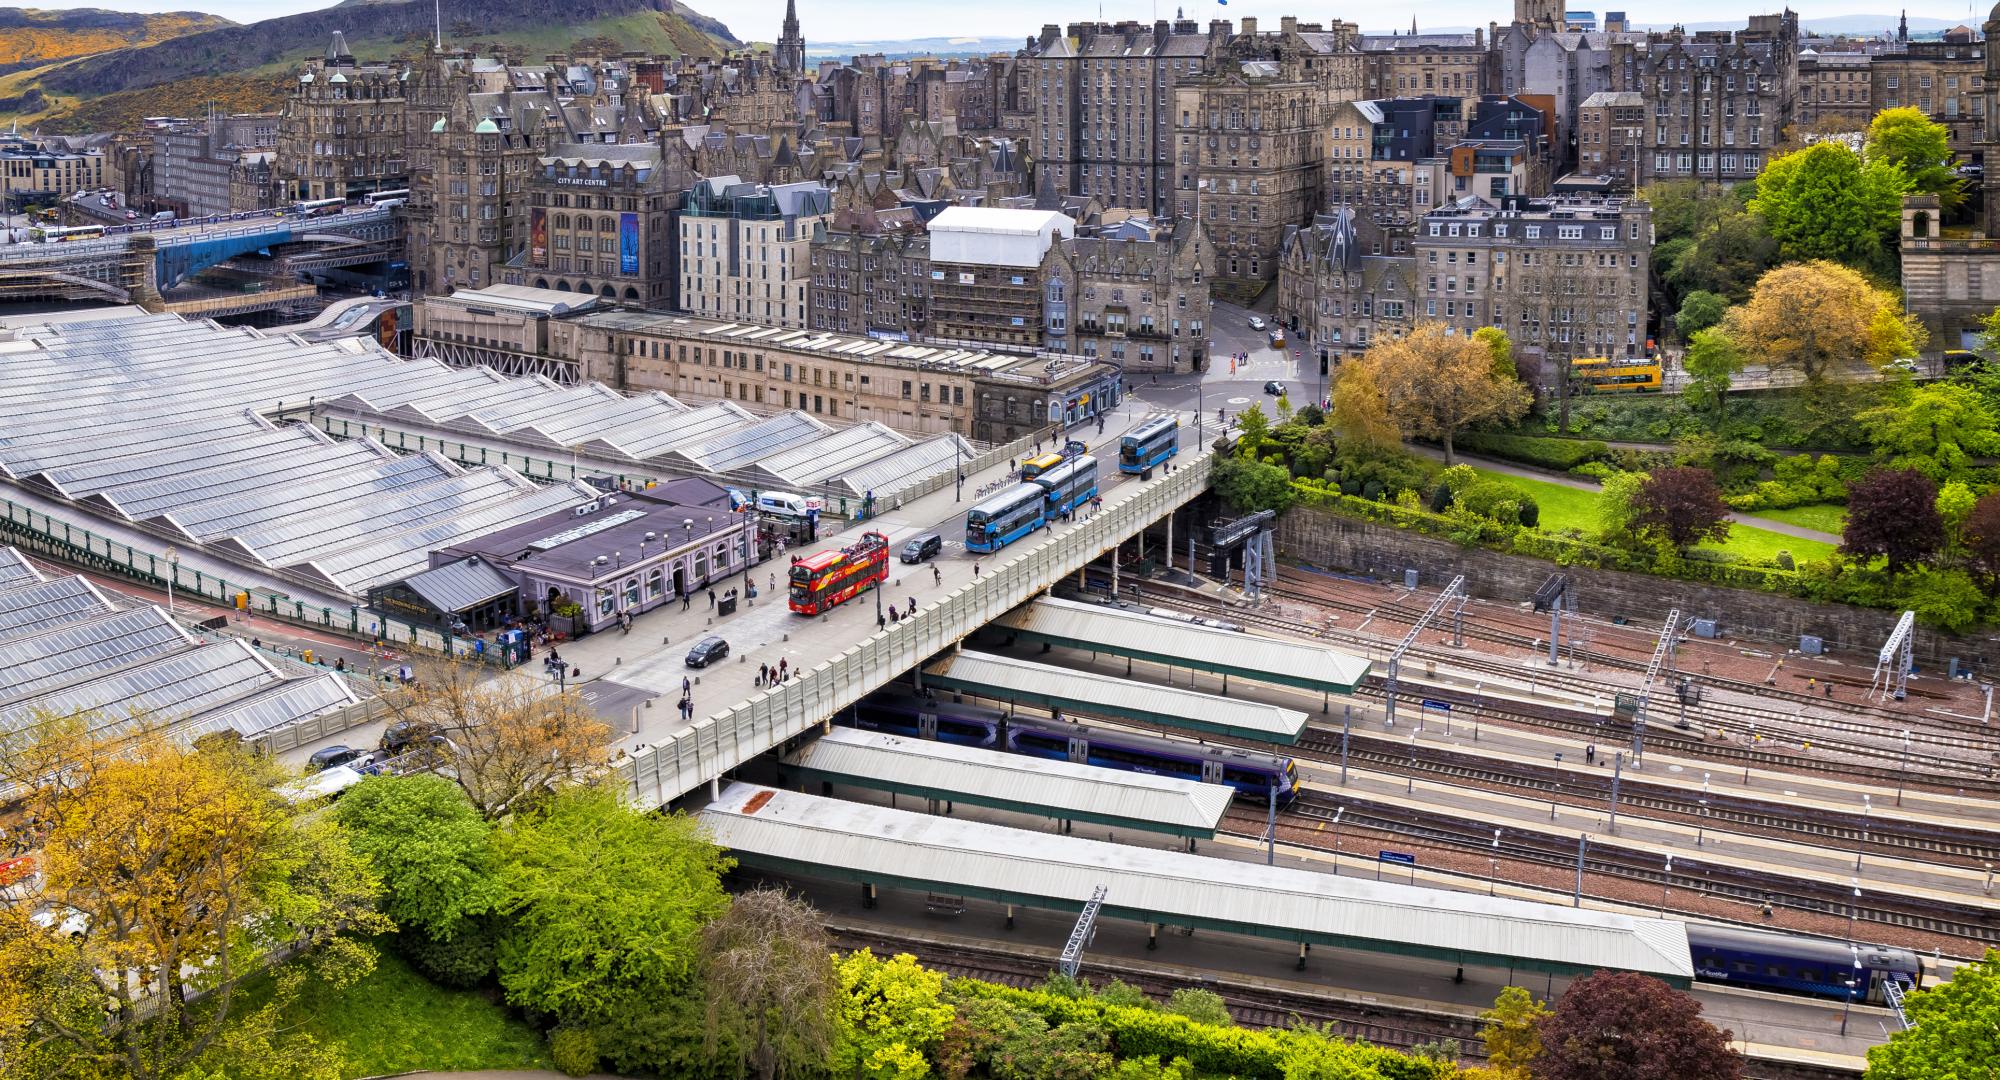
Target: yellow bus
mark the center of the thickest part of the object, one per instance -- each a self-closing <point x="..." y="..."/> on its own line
<point x="1614" y="375"/>
<point x="1036" y="466"/>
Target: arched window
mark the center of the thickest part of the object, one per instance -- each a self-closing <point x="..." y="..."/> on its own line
<point x="1920" y="225"/>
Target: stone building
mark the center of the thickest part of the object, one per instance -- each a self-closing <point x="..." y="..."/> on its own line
<point x="745" y="249"/>
<point x="1420" y="65"/>
<point x="1943" y="79"/>
<point x="871" y="274"/>
<point x="1610" y="136"/>
<point x="1249" y="162"/>
<point x="194" y="163"/>
<point x="342" y="132"/>
<point x="1337" y="289"/>
<point x="1720" y="102"/>
<point x="1564" y="277"/>
<point x="1001" y="278"/>
<point x="601" y="219"/>
<point x="1098" y="100"/>
<point x="43" y="172"/>
<point x="1567" y="67"/>
<point x="1835" y="91"/>
<point x="1142" y="293"/>
<point x="1949" y="283"/>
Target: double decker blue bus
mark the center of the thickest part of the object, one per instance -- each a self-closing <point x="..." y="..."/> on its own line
<point x="1154" y="442"/>
<point x="1069" y="485"/>
<point x="1006" y="517"/>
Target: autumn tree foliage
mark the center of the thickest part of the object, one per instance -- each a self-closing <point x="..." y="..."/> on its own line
<point x="1818" y="318"/>
<point x="1683" y="506"/>
<point x="171" y="875"/>
<point x="1620" y="1025"/>
<point x="504" y="740"/>
<point x="1435" y="384"/>
<point x="1893" y="513"/>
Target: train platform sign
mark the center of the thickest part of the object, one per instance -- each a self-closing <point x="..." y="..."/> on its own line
<point x="1402" y="857"/>
<point x="1441" y="706"/>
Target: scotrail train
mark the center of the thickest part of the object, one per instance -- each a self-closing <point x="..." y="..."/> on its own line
<point x="1252" y="774"/>
<point x="1025" y="507"/>
<point x="1152" y="443"/>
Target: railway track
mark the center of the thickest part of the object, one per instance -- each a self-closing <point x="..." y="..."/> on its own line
<point x="1691" y="873"/>
<point x="1747" y="736"/>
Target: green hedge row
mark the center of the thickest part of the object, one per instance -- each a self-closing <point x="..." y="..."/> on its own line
<point x="1212" y="1050"/>
<point x="1561" y="455"/>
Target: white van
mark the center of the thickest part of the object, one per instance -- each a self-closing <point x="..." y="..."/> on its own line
<point x="786" y="503"/>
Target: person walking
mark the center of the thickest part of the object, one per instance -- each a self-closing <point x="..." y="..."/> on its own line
<point x="937" y="575"/>
<point x="687" y="686"/>
<point x="975" y="569"/>
<point x="624" y="622"/>
<point x="711" y="599"/>
<point x="763" y="674"/>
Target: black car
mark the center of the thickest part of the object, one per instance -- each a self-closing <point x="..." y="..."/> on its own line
<point x="920" y="548"/>
<point x="1274" y="387"/>
<point x="404" y="734"/>
<point x="707" y="651"/>
<point x="330" y="756"/>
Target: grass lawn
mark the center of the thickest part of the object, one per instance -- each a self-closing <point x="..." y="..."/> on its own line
<point x="395" y="1021"/>
<point x="1565" y="507"/>
<point x="1826" y="517"/>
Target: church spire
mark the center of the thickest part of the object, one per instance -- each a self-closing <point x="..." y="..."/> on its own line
<point x="1903" y="29"/>
<point x="790" y="54"/>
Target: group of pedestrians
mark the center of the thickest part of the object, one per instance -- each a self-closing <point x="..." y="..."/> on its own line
<point x="768" y="675"/>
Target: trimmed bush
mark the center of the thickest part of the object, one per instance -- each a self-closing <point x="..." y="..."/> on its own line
<point x="574" y="1051"/>
<point x="1561" y="455"/>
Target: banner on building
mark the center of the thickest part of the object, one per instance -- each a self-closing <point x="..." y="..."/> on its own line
<point x="628" y="243"/>
<point x="538" y="236"/>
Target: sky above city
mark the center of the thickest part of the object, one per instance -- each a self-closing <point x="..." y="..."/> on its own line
<point x="853" y="20"/>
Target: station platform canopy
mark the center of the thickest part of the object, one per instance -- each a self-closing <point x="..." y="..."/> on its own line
<point x="1053" y="789"/>
<point x="790" y="833"/>
<point x="1139" y="636"/>
<point x="1109" y="697"/>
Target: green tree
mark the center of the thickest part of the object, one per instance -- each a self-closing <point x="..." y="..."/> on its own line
<point x="1726" y="255"/>
<point x="1502" y="347"/>
<point x="1921" y="147"/>
<point x="769" y="983"/>
<point x="1200" y="1006"/>
<point x="1254" y="429"/>
<point x="1250" y="486"/>
<point x="1954" y="505"/>
<point x="603" y="904"/>
<point x="892" y="1012"/>
<point x="1616" y="505"/>
<point x="1935" y="429"/>
<point x="1711" y="362"/>
<point x="1512" y="1035"/>
<point x="1826" y="202"/>
<point x="1699" y="310"/>
<point x="429" y="845"/>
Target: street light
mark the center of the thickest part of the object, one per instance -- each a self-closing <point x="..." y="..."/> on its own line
<point x="1339" y="810"/>
<point x="1854" y="883"/>
<point x="1701" y="824"/>
<point x="1903" y="777"/>
<point x="1866" y="805"/>
<point x="1853" y="984"/>
<point x="1493" y="863"/>
<point x="1552" y="801"/>
<point x="1665" y="882"/>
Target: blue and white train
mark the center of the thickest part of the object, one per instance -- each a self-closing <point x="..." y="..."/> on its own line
<point x="1150" y="444"/>
<point x="1768" y="960"/>
<point x="1252" y="774"/>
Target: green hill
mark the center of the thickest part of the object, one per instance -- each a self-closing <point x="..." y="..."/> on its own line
<point x="245" y="66"/>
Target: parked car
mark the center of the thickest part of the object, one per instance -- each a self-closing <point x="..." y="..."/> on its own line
<point x="920" y="548"/>
<point x="1905" y="363"/>
<point x="1256" y="322"/>
<point x="1274" y="388"/>
<point x="328" y="757"/>
<point x="404" y="734"/>
<point x="708" y="650"/>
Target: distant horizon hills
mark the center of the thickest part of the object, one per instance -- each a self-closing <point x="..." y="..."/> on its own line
<point x="981" y="44"/>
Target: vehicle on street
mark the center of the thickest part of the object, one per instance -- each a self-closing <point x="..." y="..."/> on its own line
<point x="708" y="650"/>
<point x="1277" y="338"/>
<point x="1905" y="363"/>
<point x="403" y="734"/>
<point x="1149" y="444"/>
<point x="831" y="577"/>
<point x="920" y="548"/>
<point x="1256" y="322"/>
<point x="330" y="756"/>
<point x="1274" y="388"/>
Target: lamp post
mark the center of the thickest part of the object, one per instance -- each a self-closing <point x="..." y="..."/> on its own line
<point x="1665" y="883"/>
<point x="1903" y="777"/>
<point x="1867" y="804"/>
<point x="1337" y="811"/>
<point x="1493" y="863"/>
<point x="1853" y="984"/>
<point x="1701" y="825"/>
<point x="1552" y="801"/>
<point x="173" y="571"/>
<point x="1852" y="908"/>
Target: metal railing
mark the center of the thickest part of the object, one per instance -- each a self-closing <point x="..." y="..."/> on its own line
<point x="713" y="746"/>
